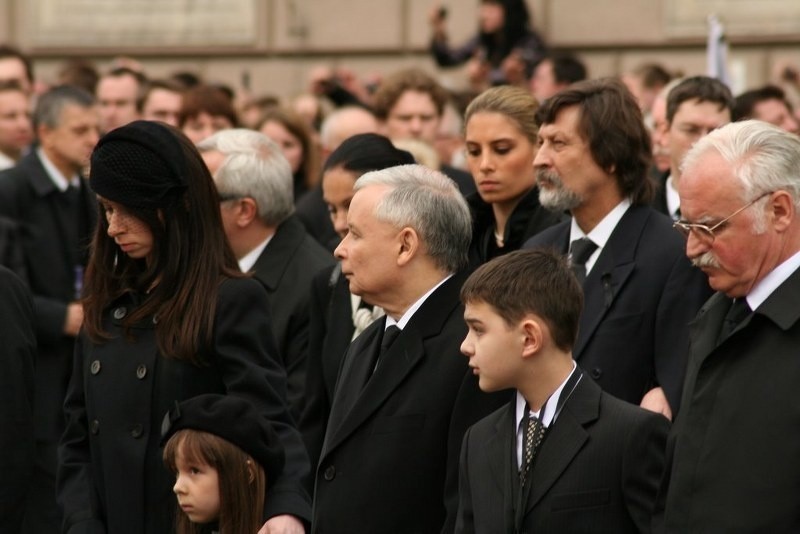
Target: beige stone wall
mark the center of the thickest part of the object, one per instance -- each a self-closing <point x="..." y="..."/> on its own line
<point x="288" y="37"/>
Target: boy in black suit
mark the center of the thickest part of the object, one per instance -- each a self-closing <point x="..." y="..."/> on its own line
<point x="563" y="456"/>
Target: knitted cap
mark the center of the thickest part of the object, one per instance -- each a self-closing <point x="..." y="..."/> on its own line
<point x="233" y="419"/>
<point x="140" y="165"/>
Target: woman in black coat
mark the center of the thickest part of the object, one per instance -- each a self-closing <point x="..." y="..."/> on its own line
<point x="168" y="316"/>
<point x="501" y="143"/>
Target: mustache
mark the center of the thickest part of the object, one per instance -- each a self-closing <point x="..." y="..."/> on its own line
<point x="707" y="259"/>
<point x="545" y="175"/>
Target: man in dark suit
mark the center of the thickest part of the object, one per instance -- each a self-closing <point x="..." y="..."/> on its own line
<point x="564" y="456"/>
<point x="640" y="291"/>
<point x="55" y="212"/>
<point x="695" y="107"/>
<point x="254" y="181"/>
<point x="17" y="353"/>
<point x="403" y="397"/>
<point x="733" y="449"/>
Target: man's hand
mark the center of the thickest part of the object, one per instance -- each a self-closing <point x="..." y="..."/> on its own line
<point x="283" y="524"/>
<point x="74" y="319"/>
<point x="655" y="401"/>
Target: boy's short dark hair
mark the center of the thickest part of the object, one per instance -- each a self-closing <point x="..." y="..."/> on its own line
<point x="702" y="89"/>
<point x="530" y="281"/>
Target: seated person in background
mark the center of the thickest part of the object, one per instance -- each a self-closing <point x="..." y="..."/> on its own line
<point x="563" y="456"/>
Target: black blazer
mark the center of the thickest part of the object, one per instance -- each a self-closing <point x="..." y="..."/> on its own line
<point x="733" y="451"/>
<point x="286" y="267"/>
<point x="17" y="352"/>
<point x="111" y="475"/>
<point x="54" y="237"/>
<point x="638" y="300"/>
<point x="597" y="470"/>
<point x="390" y="457"/>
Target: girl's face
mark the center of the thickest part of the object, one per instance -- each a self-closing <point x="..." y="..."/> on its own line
<point x="492" y="16"/>
<point x="500" y="158"/>
<point x="197" y="489"/>
<point x="204" y="125"/>
<point x="290" y="145"/>
<point x="337" y="191"/>
<point x="130" y="233"/>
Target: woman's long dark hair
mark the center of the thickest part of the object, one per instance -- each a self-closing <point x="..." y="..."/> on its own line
<point x="191" y="256"/>
<point x="516" y="25"/>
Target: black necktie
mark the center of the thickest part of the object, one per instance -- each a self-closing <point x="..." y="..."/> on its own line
<point x="580" y="251"/>
<point x="389" y="335"/>
<point x="736" y="314"/>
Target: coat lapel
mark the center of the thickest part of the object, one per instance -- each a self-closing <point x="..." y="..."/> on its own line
<point x="565" y="438"/>
<point x="610" y="272"/>
<point x="395" y="366"/>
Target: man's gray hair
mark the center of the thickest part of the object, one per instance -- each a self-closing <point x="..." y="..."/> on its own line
<point x="763" y="157"/>
<point x="50" y="105"/>
<point x="254" y="167"/>
<point x="431" y="204"/>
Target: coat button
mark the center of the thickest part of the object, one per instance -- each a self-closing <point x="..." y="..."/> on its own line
<point x="330" y="473"/>
<point x="95" y="367"/>
<point x="597" y="373"/>
<point x="141" y="371"/>
<point x="137" y="431"/>
<point x="94" y="427"/>
<point x="120" y="312"/>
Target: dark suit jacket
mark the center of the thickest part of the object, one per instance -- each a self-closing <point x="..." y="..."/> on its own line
<point x="286" y="267"/>
<point x="330" y="331"/>
<point x="111" y="476"/>
<point x="17" y="352"/>
<point x="390" y="458"/>
<point x="54" y="238"/>
<point x="597" y="470"/>
<point x="659" y="202"/>
<point x="638" y="300"/>
<point x="734" y="452"/>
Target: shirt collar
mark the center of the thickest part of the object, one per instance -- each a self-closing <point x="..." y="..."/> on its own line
<point x="414" y="307"/>
<point x="549" y="406"/>
<point x="767" y="285"/>
<point x="248" y="260"/>
<point x="601" y="233"/>
<point x="58" y="179"/>
<point x="673" y="198"/>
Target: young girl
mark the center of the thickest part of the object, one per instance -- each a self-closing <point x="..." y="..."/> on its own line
<point x="223" y="455"/>
<point x="167" y="316"/>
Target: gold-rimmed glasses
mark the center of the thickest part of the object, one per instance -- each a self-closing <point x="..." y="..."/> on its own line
<point x="704" y="233"/>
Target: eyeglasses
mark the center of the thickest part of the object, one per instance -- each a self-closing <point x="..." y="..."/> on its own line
<point x="224" y="198"/>
<point x="704" y="233"/>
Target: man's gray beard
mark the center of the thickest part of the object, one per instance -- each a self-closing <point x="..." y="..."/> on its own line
<point x="556" y="197"/>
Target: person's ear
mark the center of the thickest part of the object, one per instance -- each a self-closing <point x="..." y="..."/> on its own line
<point x="533" y="336"/>
<point x="251" y="472"/>
<point x="247" y="211"/>
<point x="781" y="210"/>
<point x="408" y="241"/>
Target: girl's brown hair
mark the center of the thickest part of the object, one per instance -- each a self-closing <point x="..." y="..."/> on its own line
<point x="242" y="481"/>
<point x="308" y="173"/>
